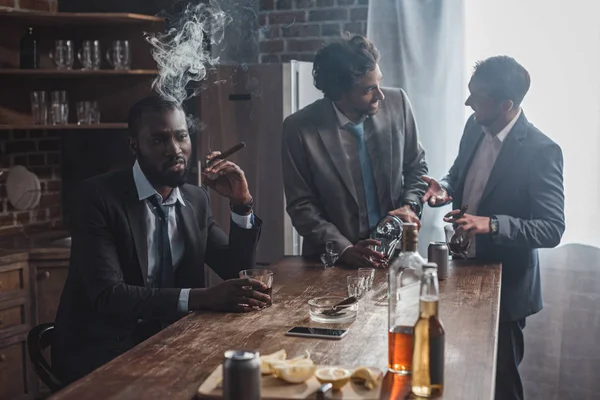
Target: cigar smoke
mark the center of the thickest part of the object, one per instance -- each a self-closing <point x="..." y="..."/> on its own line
<point x="181" y="52"/>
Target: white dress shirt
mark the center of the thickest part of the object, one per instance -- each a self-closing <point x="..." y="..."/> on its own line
<point x="481" y="168"/>
<point x="145" y="190"/>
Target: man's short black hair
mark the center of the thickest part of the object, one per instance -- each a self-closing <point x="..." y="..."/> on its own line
<point x="340" y="65"/>
<point x="148" y="105"/>
<point x="507" y="79"/>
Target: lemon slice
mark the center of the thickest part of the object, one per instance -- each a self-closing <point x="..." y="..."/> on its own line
<point x="267" y="360"/>
<point x="338" y="377"/>
<point x="298" y="372"/>
<point x="366" y="376"/>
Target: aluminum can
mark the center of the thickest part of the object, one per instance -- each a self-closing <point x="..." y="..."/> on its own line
<point x="241" y="375"/>
<point x="437" y="252"/>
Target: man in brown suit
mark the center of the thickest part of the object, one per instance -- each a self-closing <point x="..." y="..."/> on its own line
<point x="352" y="157"/>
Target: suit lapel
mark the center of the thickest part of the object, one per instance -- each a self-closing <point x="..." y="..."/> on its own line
<point x="379" y="145"/>
<point x="136" y="214"/>
<point x="510" y="149"/>
<point x="190" y="227"/>
<point x="332" y="140"/>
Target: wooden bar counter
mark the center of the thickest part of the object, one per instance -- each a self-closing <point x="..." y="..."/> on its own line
<point x="173" y="364"/>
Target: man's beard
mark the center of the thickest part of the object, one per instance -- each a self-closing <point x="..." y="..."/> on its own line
<point x="165" y="177"/>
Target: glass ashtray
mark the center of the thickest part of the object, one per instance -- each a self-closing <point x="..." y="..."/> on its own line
<point x="321" y="310"/>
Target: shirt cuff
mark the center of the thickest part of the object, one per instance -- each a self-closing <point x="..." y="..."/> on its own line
<point x="184" y="298"/>
<point x="243" y="221"/>
<point x="345" y="248"/>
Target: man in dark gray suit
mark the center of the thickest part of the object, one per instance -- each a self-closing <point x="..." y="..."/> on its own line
<point x="141" y="237"/>
<point x="511" y="177"/>
<point x="352" y="157"/>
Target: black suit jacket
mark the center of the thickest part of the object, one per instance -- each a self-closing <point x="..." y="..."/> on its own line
<point x="105" y="302"/>
<point x="525" y="192"/>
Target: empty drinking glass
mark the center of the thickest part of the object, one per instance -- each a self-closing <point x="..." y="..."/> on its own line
<point x="62" y="54"/>
<point x="329" y="257"/>
<point x="356" y="286"/>
<point x="368" y="274"/>
<point x="39" y="107"/>
<point x="89" y="55"/>
<point x="59" y="107"/>
<point x="118" y="56"/>
<point x="87" y="112"/>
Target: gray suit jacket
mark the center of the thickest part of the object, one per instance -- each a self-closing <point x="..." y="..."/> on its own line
<point x="319" y="189"/>
<point x="525" y="192"/>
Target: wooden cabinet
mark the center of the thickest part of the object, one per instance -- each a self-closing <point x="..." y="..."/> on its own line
<point x="48" y="271"/>
<point x="16" y="375"/>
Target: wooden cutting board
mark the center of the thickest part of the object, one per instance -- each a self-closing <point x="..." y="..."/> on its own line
<point x="276" y="389"/>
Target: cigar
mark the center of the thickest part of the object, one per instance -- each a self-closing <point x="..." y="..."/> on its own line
<point x="462" y="212"/>
<point x="225" y="154"/>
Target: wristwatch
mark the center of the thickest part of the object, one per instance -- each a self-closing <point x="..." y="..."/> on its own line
<point x="416" y="207"/>
<point x="242" y="209"/>
<point x="494" y="226"/>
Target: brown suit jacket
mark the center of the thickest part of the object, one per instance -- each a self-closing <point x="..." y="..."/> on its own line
<point x="320" y="194"/>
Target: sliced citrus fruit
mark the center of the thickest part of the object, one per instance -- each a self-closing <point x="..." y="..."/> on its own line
<point x="338" y="377"/>
<point x="298" y="372"/>
<point x="366" y="376"/>
<point x="267" y="360"/>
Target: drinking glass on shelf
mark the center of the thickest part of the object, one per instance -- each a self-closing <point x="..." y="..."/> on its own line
<point x="329" y="257"/>
<point x="118" y="55"/>
<point x="458" y="242"/>
<point x="59" y="107"/>
<point x="89" y="55"/>
<point x="62" y="54"/>
<point x="39" y="107"/>
<point x="87" y="112"/>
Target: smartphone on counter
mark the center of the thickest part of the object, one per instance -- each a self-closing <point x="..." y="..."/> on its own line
<point x="321" y="333"/>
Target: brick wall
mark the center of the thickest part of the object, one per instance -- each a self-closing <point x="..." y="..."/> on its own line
<point x="39" y="151"/>
<point x="295" y="29"/>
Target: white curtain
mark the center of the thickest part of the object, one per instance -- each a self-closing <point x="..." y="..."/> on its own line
<point x="558" y="42"/>
<point x="421" y="45"/>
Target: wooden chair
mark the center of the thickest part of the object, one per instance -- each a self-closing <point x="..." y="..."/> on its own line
<point x="38" y="340"/>
<point x="562" y="354"/>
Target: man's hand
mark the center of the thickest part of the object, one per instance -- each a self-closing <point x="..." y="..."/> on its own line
<point x="237" y="295"/>
<point x="472" y="224"/>
<point x="360" y="254"/>
<point x="406" y="214"/>
<point x="435" y="195"/>
<point x="227" y="179"/>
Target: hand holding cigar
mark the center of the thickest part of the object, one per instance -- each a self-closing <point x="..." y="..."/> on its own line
<point x="224" y="155"/>
<point x="458" y="215"/>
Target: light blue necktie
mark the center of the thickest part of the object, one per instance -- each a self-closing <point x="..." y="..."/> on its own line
<point x="373" y="210"/>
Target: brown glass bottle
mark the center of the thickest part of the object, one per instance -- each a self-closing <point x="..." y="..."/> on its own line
<point x="428" y="349"/>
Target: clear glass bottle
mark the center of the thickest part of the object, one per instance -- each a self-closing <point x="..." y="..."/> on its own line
<point x="429" y="338"/>
<point x="404" y="278"/>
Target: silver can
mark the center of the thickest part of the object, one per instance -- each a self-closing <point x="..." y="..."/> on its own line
<point x="437" y="252"/>
<point x="241" y="375"/>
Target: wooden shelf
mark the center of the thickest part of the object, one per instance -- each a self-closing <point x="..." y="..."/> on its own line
<point x="114" y="125"/>
<point x="75" y="72"/>
<point x="59" y="18"/>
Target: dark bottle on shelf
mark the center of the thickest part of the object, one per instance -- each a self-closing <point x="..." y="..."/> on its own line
<point x="29" y="51"/>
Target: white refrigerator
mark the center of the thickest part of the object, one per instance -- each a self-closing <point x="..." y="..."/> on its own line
<point x="249" y="102"/>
